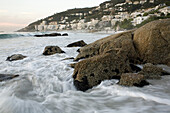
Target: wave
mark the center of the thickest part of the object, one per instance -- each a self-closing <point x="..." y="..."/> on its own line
<point x="16" y="35"/>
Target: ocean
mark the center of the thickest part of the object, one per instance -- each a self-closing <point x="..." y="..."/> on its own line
<point x="45" y="84"/>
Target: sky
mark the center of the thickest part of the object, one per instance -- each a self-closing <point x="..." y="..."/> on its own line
<point x="16" y="14"/>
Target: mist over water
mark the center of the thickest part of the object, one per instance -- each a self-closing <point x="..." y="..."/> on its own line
<point x="45" y="84"/>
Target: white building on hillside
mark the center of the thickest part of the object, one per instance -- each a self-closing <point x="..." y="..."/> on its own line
<point x="139" y="20"/>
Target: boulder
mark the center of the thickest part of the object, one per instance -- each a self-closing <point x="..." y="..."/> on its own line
<point x="152" y="42"/>
<point x="50" y="50"/>
<point x="132" y="79"/>
<point x="15" y="57"/>
<point x="4" y="77"/>
<point x="118" y="42"/>
<point x="80" y="43"/>
<point x="65" y="34"/>
<point x="90" y="72"/>
<point x="151" y="71"/>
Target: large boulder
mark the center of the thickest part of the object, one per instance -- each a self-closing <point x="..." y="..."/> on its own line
<point x="109" y="57"/>
<point x="80" y="43"/>
<point x="4" y="77"/>
<point x="50" y="50"/>
<point x="132" y="79"/>
<point x="90" y="72"/>
<point x="152" y="42"/>
<point x="15" y="57"/>
<point x="118" y="42"/>
<point x="151" y="71"/>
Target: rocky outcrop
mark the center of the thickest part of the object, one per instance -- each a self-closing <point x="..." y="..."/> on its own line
<point x="109" y="57"/>
<point x="4" y="77"/>
<point x="131" y="79"/>
<point x="48" y="35"/>
<point x="152" y="42"/>
<point x="151" y="71"/>
<point x="80" y="43"/>
<point x="15" y="57"/>
<point x="50" y="50"/>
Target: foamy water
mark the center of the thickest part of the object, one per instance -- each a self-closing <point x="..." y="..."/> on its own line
<point x="45" y="84"/>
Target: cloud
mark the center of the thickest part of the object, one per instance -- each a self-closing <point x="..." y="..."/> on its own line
<point x="3" y="11"/>
<point x="27" y="13"/>
<point x="11" y="24"/>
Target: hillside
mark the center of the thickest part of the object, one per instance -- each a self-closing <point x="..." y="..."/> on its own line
<point x="113" y="14"/>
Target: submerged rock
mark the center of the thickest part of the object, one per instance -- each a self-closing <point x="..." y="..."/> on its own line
<point x="65" y="34"/>
<point x="4" y="77"/>
<point x="152" y="42"/>
<point x="80" y="43"/>
<point x="48" y="35"/>
<point x="152" y="72"/>
<point x="131" y="79"/>
<point x="50" y="50"/>
<point x="15" y="57"/>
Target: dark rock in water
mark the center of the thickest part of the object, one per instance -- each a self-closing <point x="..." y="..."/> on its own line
<point x="92" y="71"/>
<point x="80" y="43"/>
<point x="48" y="35"/>
<point x="72" y="65"/>
<point x="50" y="50"/>
<point x="152" y="72"/>
<point x="15" y="57"/>
<point x="4" y="77"/>
<point x="65" y="34"/>
<point x="68" y="58"/>
<point x="131" y="79"/>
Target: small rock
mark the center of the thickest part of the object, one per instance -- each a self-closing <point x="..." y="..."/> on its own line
<point x="4" y="77"/>
<point x="65" y="34"/>
<point x="152" y="72"/>
<point x="50" y="50"/>
<point x="15" y="57"/>
<point x="80" y="43"/>
<point x="131" y="79"/>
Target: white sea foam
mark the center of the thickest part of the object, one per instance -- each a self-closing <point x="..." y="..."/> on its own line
<point x="45" y="84"/>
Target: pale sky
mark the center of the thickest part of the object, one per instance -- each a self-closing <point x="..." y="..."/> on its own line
<point x="16" y="14"/>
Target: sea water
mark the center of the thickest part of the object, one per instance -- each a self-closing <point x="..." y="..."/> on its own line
<point x="45" y="84"/>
